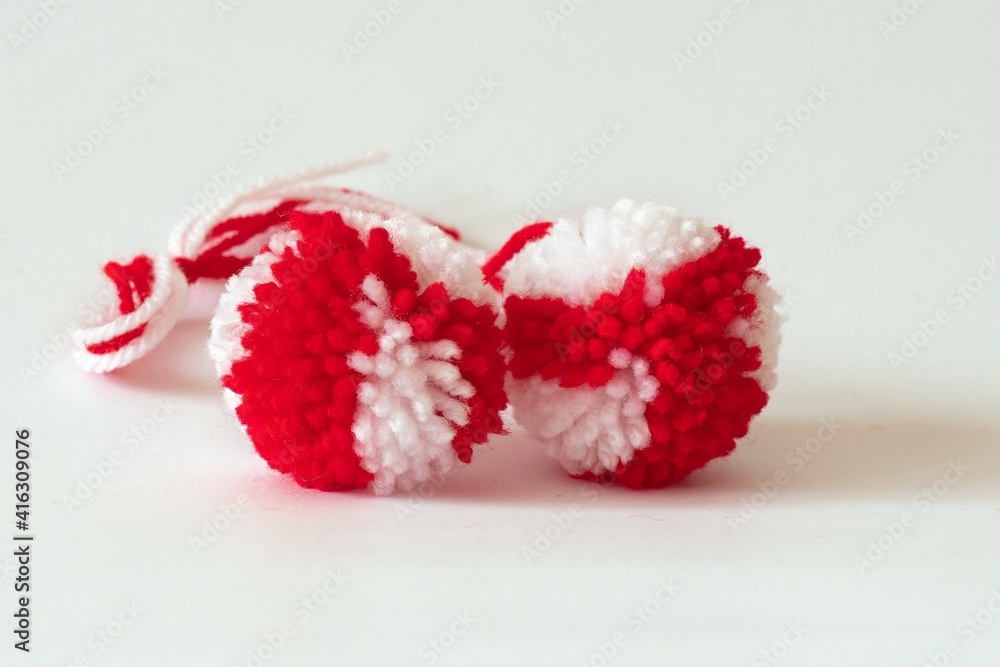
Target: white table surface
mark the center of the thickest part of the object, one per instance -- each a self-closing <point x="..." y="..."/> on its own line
<point x="797" y="581"/>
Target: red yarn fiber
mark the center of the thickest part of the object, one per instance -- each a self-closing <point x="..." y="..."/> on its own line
<point x="514" y="245"/>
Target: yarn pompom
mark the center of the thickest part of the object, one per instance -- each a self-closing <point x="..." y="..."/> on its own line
<point x="359" y="350"/>
<point x="642" y="342"/>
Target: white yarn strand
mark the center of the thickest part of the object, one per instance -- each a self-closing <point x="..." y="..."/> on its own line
<point x="165" y="307"/>
<point x="188" y="237"/>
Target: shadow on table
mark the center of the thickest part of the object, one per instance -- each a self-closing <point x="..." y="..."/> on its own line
<point x="890" y="457"/>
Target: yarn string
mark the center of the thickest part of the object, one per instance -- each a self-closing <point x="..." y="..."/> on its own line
<point x="514" y="245"/>
<point x="215" y="244"/>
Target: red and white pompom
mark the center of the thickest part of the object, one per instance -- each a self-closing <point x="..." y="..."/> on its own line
<point x="356" y="341"/>
<point x="642" y="341"/>
<point x="362" y="349"/>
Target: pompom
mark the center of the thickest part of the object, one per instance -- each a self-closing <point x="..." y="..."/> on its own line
<point x="359" y="350"/>
<point x="642" y="342"/>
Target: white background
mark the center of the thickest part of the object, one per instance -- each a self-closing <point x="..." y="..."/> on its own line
<point x="852" y="299"/>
